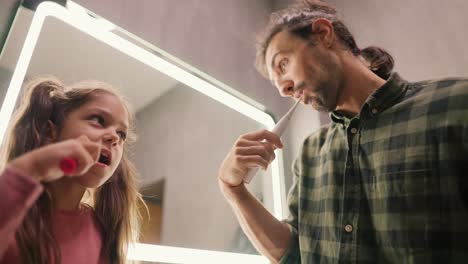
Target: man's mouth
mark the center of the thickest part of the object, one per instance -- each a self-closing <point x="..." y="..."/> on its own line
<point x="299" y="94"/>
<point x="299" y="90"/>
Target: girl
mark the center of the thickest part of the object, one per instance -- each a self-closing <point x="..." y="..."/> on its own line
<point x="89" y="216"/>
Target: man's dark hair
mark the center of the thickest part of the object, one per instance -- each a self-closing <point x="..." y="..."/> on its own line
<point x="297" y="20"/>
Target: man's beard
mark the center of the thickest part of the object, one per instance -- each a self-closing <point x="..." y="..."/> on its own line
<point x="326" y="87"/>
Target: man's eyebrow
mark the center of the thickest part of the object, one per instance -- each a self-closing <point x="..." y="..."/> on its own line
<point x="273" y="61"/>
<point x="272" y="65"/>
<point x="276" y="54"/>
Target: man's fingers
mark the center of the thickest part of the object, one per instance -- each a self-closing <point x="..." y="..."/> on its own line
<point x="250" y="150"/>
<point x="265" y="150"/>
<point x="253" y="161"/>
<point x="264" y="135"/>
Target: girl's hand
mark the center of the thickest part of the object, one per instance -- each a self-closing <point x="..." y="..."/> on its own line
<point x="43" y="163"/>
<point x="254" y="149"/>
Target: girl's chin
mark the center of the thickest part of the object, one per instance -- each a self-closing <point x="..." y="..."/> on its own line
<point x="92" y="180"/>
<point x="90" y="183"/>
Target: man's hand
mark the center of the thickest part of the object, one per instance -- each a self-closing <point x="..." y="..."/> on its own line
<point x="251" y="150"/>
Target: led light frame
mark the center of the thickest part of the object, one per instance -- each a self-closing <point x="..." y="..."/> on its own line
<point x="100" y="29"/>
<point x="145" y="252"/>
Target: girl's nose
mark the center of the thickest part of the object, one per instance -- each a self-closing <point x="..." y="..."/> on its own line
<point x="112" y="137"/>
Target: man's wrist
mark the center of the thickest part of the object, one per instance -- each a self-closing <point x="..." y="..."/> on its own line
<point x="232" y="193"/>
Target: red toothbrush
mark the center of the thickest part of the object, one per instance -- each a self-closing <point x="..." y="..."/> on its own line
<point x="68" y="165"/>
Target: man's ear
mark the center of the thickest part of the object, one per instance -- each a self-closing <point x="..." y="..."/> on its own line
<point x="323" y="32"/>
<point x="52" y="132"/>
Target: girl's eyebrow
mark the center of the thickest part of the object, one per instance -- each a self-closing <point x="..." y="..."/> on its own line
<point x="109" y="115"/>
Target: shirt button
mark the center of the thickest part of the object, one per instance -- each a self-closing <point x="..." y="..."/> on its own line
<point x="348" y="228"/>
<point x="374" y="111"/>
<point x="354" y="130"/>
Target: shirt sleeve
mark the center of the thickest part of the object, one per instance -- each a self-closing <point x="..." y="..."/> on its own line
<point x="293" y="255"/>
<point x="17" y="194"/>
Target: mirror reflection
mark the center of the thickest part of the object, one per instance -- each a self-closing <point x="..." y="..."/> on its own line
<point x="183" y="136"/>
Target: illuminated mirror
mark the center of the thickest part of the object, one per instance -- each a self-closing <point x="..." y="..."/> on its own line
<point x="186" y="123"/>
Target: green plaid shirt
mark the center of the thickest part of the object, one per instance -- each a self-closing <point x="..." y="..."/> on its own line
<point x="389" y="185"/>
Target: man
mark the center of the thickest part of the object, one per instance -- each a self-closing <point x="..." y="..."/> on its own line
<point x="385" y="181"/>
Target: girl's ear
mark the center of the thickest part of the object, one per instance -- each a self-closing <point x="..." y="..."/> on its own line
<point x="52" y="132"/>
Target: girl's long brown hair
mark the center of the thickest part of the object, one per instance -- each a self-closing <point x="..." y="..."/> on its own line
<point x="115" y="203"/>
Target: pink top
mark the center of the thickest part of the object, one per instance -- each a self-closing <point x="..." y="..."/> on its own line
<point x="77" y="232"/>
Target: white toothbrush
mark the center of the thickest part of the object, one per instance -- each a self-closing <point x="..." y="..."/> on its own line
<point x="278" y="130"/>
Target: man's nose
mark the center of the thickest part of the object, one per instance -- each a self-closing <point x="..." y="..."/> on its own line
<point x="286" y="87"/>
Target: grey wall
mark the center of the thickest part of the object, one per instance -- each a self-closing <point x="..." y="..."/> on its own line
<point x="7" y="13"/>
<point x="183" y="138"/>
<point x="427" y="38"/>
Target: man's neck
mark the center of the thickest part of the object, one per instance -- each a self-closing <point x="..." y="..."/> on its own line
<point x="358" y="83"/>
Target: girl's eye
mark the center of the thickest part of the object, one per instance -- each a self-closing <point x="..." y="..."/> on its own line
<point x="122" y="135"/>
<point x="98" y="119"/>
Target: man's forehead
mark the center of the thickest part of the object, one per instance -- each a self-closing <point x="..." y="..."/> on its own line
<point x="278" y="42"/>
<point x="281" y="42"/>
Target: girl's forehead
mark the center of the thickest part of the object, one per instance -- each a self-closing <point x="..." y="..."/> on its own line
<point x="105" y="99"/>
<point x="109" y="103"/>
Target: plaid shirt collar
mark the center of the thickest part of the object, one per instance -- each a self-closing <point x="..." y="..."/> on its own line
<point x="384" y="97"/>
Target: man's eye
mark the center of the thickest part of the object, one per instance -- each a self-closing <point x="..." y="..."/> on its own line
<point x="282" y="65"/>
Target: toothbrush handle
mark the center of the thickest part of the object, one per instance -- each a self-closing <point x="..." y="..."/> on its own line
<point x="279" y="128"/>
<point x="68" y="165"/>
<point x="250" y="174"/>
